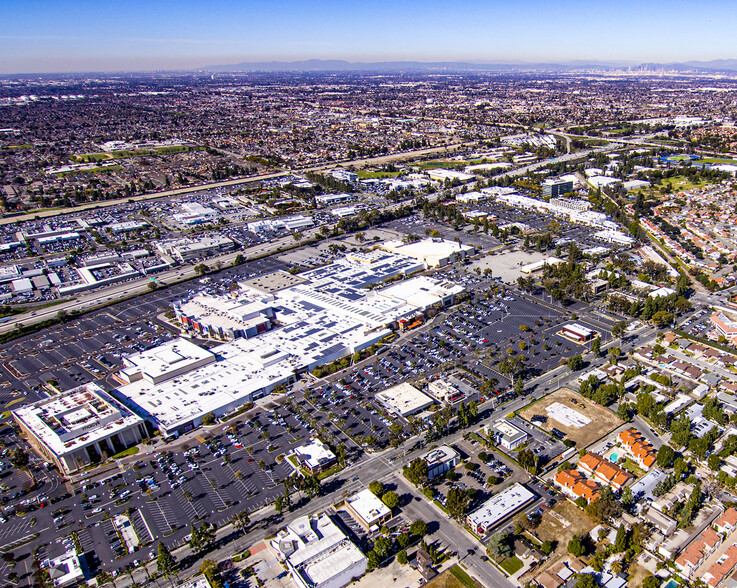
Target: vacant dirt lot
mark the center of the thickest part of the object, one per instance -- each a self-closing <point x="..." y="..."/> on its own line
<point x="560" y="524"/>
<point x="601" y="419"/>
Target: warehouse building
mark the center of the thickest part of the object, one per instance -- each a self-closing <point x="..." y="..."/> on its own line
<point x="79" y="427"/>
<point x="188" y="249"/>
<point x="499" y="508"/>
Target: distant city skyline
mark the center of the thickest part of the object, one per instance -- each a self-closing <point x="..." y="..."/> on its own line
<point x="47" y="36"/>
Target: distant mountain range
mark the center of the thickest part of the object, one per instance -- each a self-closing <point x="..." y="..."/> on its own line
<point x="326" y="65"/>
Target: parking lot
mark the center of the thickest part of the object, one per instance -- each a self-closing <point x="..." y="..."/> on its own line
<point x="209" y="478"/>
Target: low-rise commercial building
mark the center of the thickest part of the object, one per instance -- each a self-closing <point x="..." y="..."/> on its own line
<point x="318" y="554"/>
<point x="79" y="427"/>
<point x="368" y="510"/>
<point x="404" y="400"/>
<point x="440" y="460"/>
<point x="499" y="508"/>
<point x="65" y="570"/>
<point x="316" y="457"/>
<point x="578" y="332"/>
<point x="508" y="435"/>
<point x="445" y="392"/>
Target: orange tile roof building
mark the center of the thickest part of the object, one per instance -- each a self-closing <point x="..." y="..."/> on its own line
<point x="642" y="452"/>
<point x="721" y="568"/>
<point x="574" y="484"/>
<point x="728" y="521"/>
<point x="604" y="471"/>
<point x="699" y="549"/>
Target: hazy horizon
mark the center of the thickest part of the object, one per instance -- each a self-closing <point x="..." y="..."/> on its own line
<point x="44" y="36"/>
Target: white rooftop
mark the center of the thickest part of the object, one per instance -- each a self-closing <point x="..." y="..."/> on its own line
<point x="368" y="506"/>
<point x="168" y="358"/>
<point x="315" y="454"/>
<point x="500" y="506"/>
<point x="428" y="250"/>
<point x="76" y="418"/>
<point x="404" y="399"/>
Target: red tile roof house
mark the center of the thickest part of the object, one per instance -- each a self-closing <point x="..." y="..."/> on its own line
<point x="695" y="554"/>
<point x="642" y="452"/>
<point x="575" y="485"/>
<point x="721" y="568"/>
<point x="728" y="521"/>
<point x="603" y="471"/>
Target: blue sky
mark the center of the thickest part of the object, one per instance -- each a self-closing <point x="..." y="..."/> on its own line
<point x="112" y="35"/>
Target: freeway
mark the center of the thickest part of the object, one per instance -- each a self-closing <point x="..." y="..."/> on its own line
<point x="356" y="163"/>
<point x="96" y="298"/>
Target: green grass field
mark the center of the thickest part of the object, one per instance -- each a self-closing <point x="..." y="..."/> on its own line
<point x="373" y="175"/>
<point x="94" y="170"/>
<point x="443" y="164"/>
<point x="717" y="160"/>
<point x="678" y="184"/>
<point x="126" y="153"/>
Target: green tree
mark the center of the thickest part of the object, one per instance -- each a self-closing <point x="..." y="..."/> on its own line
<point x="665" y="458"/>
<point x="596" y="346"/>
<point x="499" y="546"/>
<point x="576" y="547"/>
<point x="279" y="505"/>
<point x="621" y="543"/>
<point x="575" y="363"/>
<point x="20" y="459"/>
<point x="519" y="386"/>
<point x="377" y="488"/>
<point x="391" y="499"/>
<point x="418" y="528"/>
<point x="166" y="565"/>
<point x="239" y="260"/>
<point x="457" y="503"/>
<point x="208" y="419"/>
<point x="201" y="269"/>
<point x="382" y="547"/>
<point x="402" y="557"/>
<point x="373" y="560"/>
<point x="416" y="472"/>
<point x="403" y="540"/>
<point x="652" y="582"/>
<point x="586" y="581"/>
<point x="680" y="467"/>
